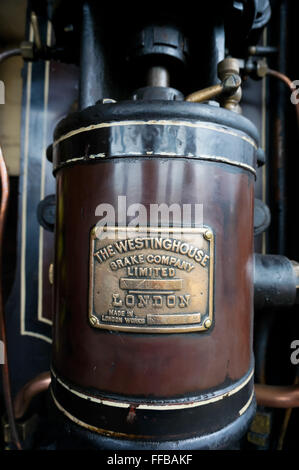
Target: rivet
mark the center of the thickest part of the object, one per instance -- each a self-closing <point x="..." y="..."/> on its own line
<point x="93" y="320"/>
<point x="208" y="235"/>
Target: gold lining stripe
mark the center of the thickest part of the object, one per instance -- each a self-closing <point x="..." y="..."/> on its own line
<point x="162" y="122"/>
<point x="23" y="330"/>
<point x="94" y="428"/>
<point x="24" y="192"/>
<point x="242" y="410"/>
<point x="40" y="316"/>
<point x="174" y="406"/>
<point x="210" y="158"/>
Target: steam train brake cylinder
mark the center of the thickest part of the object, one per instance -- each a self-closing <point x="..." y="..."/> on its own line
<point x="152" y="338"/>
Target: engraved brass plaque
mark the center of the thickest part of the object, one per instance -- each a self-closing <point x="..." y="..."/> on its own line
<point x="152" y="281"/>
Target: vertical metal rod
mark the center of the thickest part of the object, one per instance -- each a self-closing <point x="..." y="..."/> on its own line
<point x="158" y="76"/>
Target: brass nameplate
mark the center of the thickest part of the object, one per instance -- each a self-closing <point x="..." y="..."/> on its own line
<point x="151" y="281"/>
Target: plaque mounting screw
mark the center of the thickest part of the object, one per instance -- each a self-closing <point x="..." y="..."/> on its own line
<point x="208" y="235"/>
<point x="93" y="320"/>
<point x="94" y="232"/>
<point x="51" y="274"/>
<point x="207" y="323"/>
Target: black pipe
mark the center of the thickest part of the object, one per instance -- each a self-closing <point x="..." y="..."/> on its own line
<point x="95" y="70"/>
<point x="279" y="101"/>
<point x="274" y="282"/>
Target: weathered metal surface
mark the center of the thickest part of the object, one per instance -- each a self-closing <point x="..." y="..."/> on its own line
<point x="97" y="358"/>
<point x="69" y="435"/>
<point x="275" y="282"/>
<point x="155" y="129"/>
<point x="131" y="418"/>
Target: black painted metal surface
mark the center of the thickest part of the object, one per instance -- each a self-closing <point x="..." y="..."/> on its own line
<point x="274" y="282"/>
<point x="155" y="129"/>
<point x="68" y="435"/>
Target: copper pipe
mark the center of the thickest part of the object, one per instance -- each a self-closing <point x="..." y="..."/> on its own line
<point x="281" y="76"/>
<point x="277" y="396"/>
<point x="205" y="94"/>
<point x="5" y="368"/>
<point x="288" y="82"/>
<point x="30" y="390"/>
<point x="285" y="423"/>
<point x="229" y="86"/>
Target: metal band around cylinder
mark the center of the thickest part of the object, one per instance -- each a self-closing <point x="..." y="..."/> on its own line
<point x="155" y="138"/>
<point x="184" y="417"/>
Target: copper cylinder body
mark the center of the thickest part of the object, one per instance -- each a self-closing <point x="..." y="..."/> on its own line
<point x="139" y="373"/>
